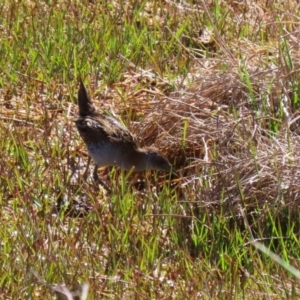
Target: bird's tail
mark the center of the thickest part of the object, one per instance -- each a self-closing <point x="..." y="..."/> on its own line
<point x="85" y="104"/>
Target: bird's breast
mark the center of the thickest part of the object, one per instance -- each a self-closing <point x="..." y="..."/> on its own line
<point x="108" y="154"/>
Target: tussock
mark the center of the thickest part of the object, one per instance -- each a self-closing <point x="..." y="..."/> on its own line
<point x="231" y="134"/>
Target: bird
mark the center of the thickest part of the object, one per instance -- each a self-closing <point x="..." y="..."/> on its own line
<point x="109" y="143"/>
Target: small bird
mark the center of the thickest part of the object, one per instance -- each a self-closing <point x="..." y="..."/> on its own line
<point x="109" y="143"/>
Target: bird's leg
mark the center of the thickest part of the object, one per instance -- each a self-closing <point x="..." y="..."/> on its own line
<point x="95" y="174"/>
<point x="98" y="180"/>
<point x="85" y="174"/>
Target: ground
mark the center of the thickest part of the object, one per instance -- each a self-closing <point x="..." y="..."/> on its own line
<point x="214" y="85"/>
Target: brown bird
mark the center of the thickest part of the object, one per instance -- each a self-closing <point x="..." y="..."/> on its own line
<point x="109" y="143"/>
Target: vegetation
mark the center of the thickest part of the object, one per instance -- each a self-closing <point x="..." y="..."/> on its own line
<point x="215" y="86"/>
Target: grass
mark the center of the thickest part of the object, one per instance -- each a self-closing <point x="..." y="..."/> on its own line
<point x="215" y="86"/>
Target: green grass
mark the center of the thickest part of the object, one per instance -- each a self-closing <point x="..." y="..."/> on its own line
<point x="151" y="239"/>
